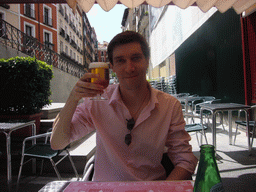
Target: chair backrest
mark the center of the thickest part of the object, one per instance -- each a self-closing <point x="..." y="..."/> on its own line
<point x="208" y="98"/>
<point x="196" y="104"/>
<point x="47" y="138"/>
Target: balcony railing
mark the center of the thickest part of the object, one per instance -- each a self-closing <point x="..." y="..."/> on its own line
<point x="16" y="39"/>
<point x="73" y="44"/>
<point x="62" y="32"/>
<point x="67" y="38"/>
<point x="66" y="17"/>
<point x="49" y="45"/>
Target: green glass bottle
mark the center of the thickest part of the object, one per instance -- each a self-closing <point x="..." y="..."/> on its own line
<point x="208" y="176"/>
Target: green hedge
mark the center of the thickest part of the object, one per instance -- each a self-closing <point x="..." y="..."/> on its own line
<point x="24" y="85"/>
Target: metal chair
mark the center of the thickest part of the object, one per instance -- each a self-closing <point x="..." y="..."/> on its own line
<point x="252" y="125"/>
<point x="89" y="169"/>
<point x="197" y="128"/>
<point x="42" y="150"/>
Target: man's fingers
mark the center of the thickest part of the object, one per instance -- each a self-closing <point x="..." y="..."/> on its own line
<point x="89" y="85"/>
<point x="87" y="90"/>
<point x="88" y="76"/>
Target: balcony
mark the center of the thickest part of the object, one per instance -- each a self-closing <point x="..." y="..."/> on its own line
<point x="12" y="37"/>
<point x="66" y="17"/>
<point x="73" y="44"/>
<point x="62" y="32"/>
<point x="144" y="20"/>
<point x="47" y="21"/>
<point x="71" y="24"/>
<point x="49" y="45"/>
<point x="67" y="38"/>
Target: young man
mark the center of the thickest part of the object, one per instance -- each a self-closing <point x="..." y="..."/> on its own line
<point x="135" y="124"/>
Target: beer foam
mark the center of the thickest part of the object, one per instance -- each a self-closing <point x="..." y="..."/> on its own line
<point x="98" y="65"/>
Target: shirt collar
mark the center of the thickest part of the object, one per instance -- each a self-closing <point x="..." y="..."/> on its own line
<point x="116" y="97"/>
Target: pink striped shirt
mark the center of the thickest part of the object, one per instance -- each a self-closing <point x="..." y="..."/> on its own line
<point x="160" y="125"/>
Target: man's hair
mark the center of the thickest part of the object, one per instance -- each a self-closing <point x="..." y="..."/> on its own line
<point x="128" y="37"/>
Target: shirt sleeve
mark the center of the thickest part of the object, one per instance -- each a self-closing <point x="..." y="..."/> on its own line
<point x="81" y="123"/>
<point x="179" y="149"/>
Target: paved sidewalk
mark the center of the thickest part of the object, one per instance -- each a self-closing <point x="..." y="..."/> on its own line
<point x="237" y="168"/>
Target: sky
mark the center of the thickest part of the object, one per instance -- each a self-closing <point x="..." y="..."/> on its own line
<point x="106" y="24"/>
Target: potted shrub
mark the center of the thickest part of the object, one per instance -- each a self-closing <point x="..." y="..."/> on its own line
<point x="24" y="88"/>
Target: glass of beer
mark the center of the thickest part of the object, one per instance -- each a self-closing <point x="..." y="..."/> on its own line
<point x="102" y="69"/>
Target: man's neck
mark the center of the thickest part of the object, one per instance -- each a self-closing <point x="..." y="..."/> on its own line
<point x="136" y="96"/>
<point x="136" y="100"/>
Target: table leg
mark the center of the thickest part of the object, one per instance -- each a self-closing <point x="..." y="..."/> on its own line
<point x="186" y="111"/>
<point x="214" y="129"/>
<point x="248" y="131"/>
<point x="9" y="160"/>
<point x="230" y="127"/>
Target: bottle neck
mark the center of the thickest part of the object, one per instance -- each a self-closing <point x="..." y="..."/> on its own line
<point x="207" y="150"/>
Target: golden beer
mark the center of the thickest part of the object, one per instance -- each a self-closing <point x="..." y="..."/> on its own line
<point x="102" y="69"/>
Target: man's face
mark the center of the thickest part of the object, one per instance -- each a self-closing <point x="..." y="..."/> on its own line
<point x="130" y="65"/>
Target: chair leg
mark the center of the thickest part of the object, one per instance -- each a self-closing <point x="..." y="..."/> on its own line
<point x="21" y="165"/>
<point x="235" y="134"/>
<point x="253" y="134"/>
<point x="55" y="169"/>
<point x="198" y="139"/>
<point x="42" y="166"/>
<point x="72" y="163"/>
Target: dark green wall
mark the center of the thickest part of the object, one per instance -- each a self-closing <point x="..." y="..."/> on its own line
<point x="210" y="61"/>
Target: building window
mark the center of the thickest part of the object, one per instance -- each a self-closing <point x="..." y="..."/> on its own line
<point x="71" y="53"/>
<point x="48" y="40"/>
<point x="66" y="50"/>
<point x="61" y="46"/>
<point x="29" y="10"/>
<point x="29" y="31"/>
<point x="47" y="16"/>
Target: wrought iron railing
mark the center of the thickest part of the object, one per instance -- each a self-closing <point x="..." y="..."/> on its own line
<point x="12" y="37"/>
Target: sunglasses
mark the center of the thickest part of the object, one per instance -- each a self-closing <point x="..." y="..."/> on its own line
<point x="130" y="125"/>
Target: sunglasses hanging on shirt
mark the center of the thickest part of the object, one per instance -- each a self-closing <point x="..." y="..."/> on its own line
<point x="130" y="125"/>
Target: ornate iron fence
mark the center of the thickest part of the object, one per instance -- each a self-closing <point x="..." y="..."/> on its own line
<point x="16" y="39"/>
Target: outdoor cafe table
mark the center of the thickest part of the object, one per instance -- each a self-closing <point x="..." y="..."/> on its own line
<point x="215" y="108"/>
<point x="128" y="186"/>
<point x="8" y="128"/>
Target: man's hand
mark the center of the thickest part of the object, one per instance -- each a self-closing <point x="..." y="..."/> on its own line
<point x="84" y="88"/>
<point x="179" y="173"/>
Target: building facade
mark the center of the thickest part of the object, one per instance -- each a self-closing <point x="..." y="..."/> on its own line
<point x="89" y="42"/>
<point x="70" y="33"/>
<point x="39" y="21"/>
<point x="102" y="52"/>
